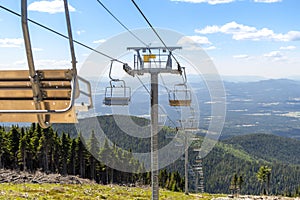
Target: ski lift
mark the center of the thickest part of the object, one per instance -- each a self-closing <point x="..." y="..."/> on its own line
<point x="117" y="94"/>
<point x="43" y="96"/>
<point x="181" y="95"/>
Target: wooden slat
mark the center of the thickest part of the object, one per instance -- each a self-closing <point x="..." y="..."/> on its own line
<point x="180" y="102"/>
<point x="23" y="93"/>
<point x="68" y="117"/>
<point x="44" y="84"/>
<point x="56" y="74"/>
<point x="64" y="74"/>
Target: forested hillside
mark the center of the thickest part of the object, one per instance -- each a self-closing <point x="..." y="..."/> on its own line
<point x="33" y="148"/>
<point x="269" y="147"/>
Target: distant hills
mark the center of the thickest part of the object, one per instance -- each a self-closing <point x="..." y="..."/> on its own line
<point x="267" y="106"/>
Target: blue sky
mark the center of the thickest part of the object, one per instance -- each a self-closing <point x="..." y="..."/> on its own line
<point x="243" y="37"/>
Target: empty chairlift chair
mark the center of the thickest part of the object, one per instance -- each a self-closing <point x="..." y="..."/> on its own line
<point x="117" y="94"/>
<point x="180" y="96"/>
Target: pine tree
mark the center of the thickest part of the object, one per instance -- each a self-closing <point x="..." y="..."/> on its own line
<point x="234" y="184"/>
<point x="105" y="156"/>
<point x="22" y="153"/>
<point x="81" y="152"/>
<point x="65" y="147"/>
<point x="240" y="182"/>
<point x="13" y="144"/>
<point x="94" y="147"/>
<point x="72" y="157"/>
<point x="35" y="134"/>
<point x="2" y="145"/>
<point x="263" y="175"/>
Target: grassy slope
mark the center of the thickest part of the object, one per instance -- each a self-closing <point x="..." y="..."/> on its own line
<point x="112" y="192"/>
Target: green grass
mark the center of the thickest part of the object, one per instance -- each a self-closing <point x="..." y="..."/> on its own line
<point x="10" y="191"/>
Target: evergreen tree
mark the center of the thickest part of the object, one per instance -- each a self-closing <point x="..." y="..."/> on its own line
<point x="65" y="147"/>
<point x="106" y="156"/>
<point x="81" y="152"/>
<point x="263" y="175"/>
<point x="72" y="157"/>
<point x="13" y="144"/>
<point x="94" y="147"/>
<point x="36" y="134"/>
<point x="240" y="182"/>
<point x="3" y="146"/>
<point x="22" y="153"/>
<point x="234" y="184"/>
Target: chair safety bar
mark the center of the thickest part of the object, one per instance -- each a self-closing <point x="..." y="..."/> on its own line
<point x="88" y="93"/>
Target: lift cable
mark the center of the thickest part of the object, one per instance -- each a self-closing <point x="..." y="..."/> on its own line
<point x="125" y="27"/>
<point x="62" y="35"/>
<point x="134" y="35"/>
<point x="153" y="29"/>
<point x="148" y="91"/>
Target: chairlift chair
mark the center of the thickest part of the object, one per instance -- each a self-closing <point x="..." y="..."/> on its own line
<point x="43" y="96"/>
<point x="117" y="94"/>
<point x="180" y="96"/>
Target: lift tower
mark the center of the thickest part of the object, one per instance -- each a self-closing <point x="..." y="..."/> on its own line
<point x="153" y="61"/>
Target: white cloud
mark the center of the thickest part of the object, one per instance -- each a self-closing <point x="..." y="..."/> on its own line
<point x="197" y="39"/>
<point x="267" y="1"/>
<point x="241" y="56"/>
<point x="52" y="7"/>
<point x="99" y="41"/>
<point x="193" y="40"/>
<point x="243" y="32"/>
<point x="11" y="42"/>
<point x="210" y="48"/>
<point x="79" y="32"/>
<point x="290" y="36"/>
<point x="46" y="64"/>
<point x="37" y="49"/>
<point x="275" y="56"/>
<point x="229" y="28"/>
<point x="212" y="2"/>
<point x="287" y="48"/>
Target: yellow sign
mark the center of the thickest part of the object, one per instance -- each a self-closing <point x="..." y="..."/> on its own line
<point x="148" y="57"/>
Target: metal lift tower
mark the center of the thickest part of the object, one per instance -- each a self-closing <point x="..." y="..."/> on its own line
<point x="154" y="61"/>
